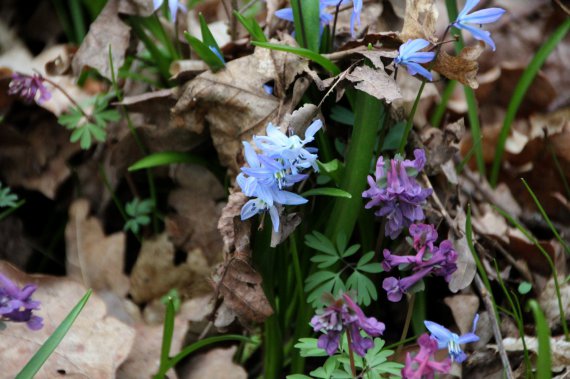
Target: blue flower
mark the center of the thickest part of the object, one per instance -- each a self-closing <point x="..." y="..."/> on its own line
<point x="173" y="6"/>
<point x="483" y="16"/>
<point x="325" y="18"/>
<point x="357" y="10"/>
<point x="452" y="341"/>
<point x="218" y="54"/>
<point x="411" y="57"/>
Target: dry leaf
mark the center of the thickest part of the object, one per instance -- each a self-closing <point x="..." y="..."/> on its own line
<point x="93" y="348"/>
<point x="419" y="20"/>
<point x="375" y="83"/>
<point x="107" y="30"/>
<point x="217" y="363"/>
<point x="463" y="308"/>
<point x="463" y="67"/>
<point x="549" y="301"/>
<point x="226" y="225"/>
<point x="92" y="258"/>
<point x="466" y="268"/>
<point x="559" y="349"/>
<point x="232" y="102"/>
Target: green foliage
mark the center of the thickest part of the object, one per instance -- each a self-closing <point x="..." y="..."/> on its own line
<point x="524" y="288"/>
<point x="251" y="25"/>
<point x="39" y="358"/>
<point x="306" y="15"/>
<point x="90" y="128"/>
<point x="163" y="158"/>
<point x="306" y="53"/>
<point x="327" y="191"/>
<point x="173" y="296"/>
<point x="544" y="358"/>
<point x="138" y="212"/>
<point x="7" y="198"/>
<point x="374" y="365"/>
<point x="326" y="281"/>
<point x="204" y="48"/>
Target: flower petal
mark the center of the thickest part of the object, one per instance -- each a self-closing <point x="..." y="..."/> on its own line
<point x="469" y="5"/>
<point x="285" y="14"/>
<point x="478" y="34"/>
<point x="484" y="16"/>
<point x="439" y="332"/>
<point x="467" y="338"/>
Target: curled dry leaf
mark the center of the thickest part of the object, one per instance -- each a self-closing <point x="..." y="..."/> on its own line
<point x="107" y="30"/>
<point x="92" y="258"/>
<point x="93" y="348"/>
<point x="466" y="268"/>
<point x="375" y="83"/>
<point x="233" y="103"/>
<point x="441" y="145"/>
<point x="463" y="67"/>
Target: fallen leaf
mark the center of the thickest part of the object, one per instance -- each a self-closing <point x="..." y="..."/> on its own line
<point x="559" y="348"/>
<point x="463" y="308"/>
<point x="420" y="20"/>
<point x="466" y="268"/>
<point x="548" y="301"/>
<point x="226" y="223"/>
<point x="232" y="102"/>
<point x="92" y="258"/>
<point x="375" y="83"/>
<point x="463" y="67"/>
<point x="93" y="348"/>
<point x="107" y="30"/>
<point x="217" y="363"/>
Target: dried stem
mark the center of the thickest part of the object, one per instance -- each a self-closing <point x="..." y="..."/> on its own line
<point x="411" y="301"/>
<point x="351" y="354"/>
<point x="233" y="20"/>
<point x="68" y="96"/>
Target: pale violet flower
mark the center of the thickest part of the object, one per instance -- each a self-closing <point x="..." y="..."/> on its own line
<point x="483" y="16"/>
<point x="452" y="341"/>
<point x="173" y="7"/>
<point x="411" y="57"/>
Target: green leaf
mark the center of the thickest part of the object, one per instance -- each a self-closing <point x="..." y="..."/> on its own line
<point x="544" y="359"/>
<point x="365" y="259"/>
<point x="207" y="36"/>
<point x="371" y="268"/>
<point x="204" y="52"/>
<point x="251" y="25"/>
<point x="318" y="278"/>
<point x="394" y="136"/>
<point x="298" y="376"/>
<point x="165" y="158"/>
<point x="306" y="53"/>
<point x="524" y="288"/>
<point x="334" y="168"/>
<point x="319" y="242"/>
<point x="39" y="358"/>
<point x="308" y="348"/>
<point x="307" y="27"/>
<point x="345" y="116"/>
<point x="364" y="287"/>
<point x="327" y="191"/>
<point x="351" y="251"/>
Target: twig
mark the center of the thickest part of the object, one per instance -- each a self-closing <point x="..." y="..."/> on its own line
<point x="68" y="96"/>
<point x="233" y="21"/>
<point x="495" y="324"/>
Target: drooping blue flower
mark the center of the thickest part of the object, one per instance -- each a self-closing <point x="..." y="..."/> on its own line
<point x="480" y="17"/>
<point x="173" y="7"/>
<point x="28" y="86"/>
<point x="447" y="339"/>
<point x="411" y="57"/>
<point x="17" y="305"/>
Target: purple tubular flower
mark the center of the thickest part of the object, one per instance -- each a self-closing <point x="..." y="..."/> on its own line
<point x="424" y="236"/>
<point x="411" y="57"/>
<point x="27" y="87"/>
<point x="480" y="17"/>
<point x="423" y="364"/>
<point x="395" y="191"/>
<point x="344" y="315"/>
<point x="17" y="305"/>
<point x="395" y="288"/>
<point x="452" y="341"/>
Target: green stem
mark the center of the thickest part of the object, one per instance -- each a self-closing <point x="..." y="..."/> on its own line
<point x="411" y="301"/>
<point x="297" y="268"/>
<point x="368" y="111"/>
<point x="410" y="121"/>
<point x="11" y="210"/>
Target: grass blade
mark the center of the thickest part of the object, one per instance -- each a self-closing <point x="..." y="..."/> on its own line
<point x="165" y="158"/>
<point x="327" y="191"/>
<point x="253" y="28"/>
<point x="306" y="15"/>
<point x="305" y="53"/>
<point x="204" y="52"/>
<point x="39" y="358"/>
<point x="520" y="91"/>
<point x="167" y="334"/>
<point x="543" y="359"/>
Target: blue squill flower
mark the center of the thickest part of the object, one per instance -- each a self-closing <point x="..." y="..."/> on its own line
<point x="173" y="7"/>
<point x="411" y="57"/>
<point x="483" y="16"/>
<point x="452" y="341"/>
<point x="357" y="10"/>
<point x="218" y="54"/>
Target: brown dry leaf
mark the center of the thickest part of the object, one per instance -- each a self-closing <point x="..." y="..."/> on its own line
<point x="107" y="30"/>
<point x="549" y="301"/>
<point x="92" y="258"/>
<point x="466" y="268"/>
<point x="464" y="308"/>
<point x="441" y="145"/>
<point x="463" y="67"/>
<point x="240" y="286"/>
<point x="375" y="83"/>
<point x="559" y="348"/>
<point x="27" y="160"/>
<point x="420" y="20"/>
<point x="236" y="200"/>
<point x="156" y="272"/>
<point x="232" y="102"/>
<point x="217" y="363"/>
<point x="287" y="225"/>
<point x="93" y="348"/>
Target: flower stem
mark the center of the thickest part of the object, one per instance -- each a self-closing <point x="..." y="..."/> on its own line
<point x="411" y="301"/>
<point x="68" y="96"/>
<point x="351" y="354"/>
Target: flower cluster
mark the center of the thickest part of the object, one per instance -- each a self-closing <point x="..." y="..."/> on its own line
<point x="344" y="315"/>
<point x="27" y="87"/>
<point x="429" y="259"/>
<point x="268" y="175"/>
<point x="411" y="57"/>
<point x="423" y="364"/>
<point x="325" y="17"/>
<point x="452" y="341"/>
<point x="17" y="305"/>
<point x="396" y="192"/>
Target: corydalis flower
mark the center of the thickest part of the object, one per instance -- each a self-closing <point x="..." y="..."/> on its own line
<point x="396" y="192"/>
<point x="173" y="7"/>
<point x="423" y="363"/>
<point x="483" y="16"/>
<point x="27" y="87"/>
<point x="411" y="57"/>
<point x="452" y="341"/>
<point x="17" y="305"/>
<point x="344" y="315"/>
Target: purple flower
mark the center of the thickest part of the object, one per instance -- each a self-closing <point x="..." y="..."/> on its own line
<point x="452" y="341"/>
<point x="411" y="57"/>
<point x="17" y="305"/>
<point x="173" y="7"/>
<point x="396" y="192"/>
<point x="27" y="87"/>
<point x="424" y="236"/>
<point x="395" y="288"/>
<point x="423" y="364"/>
<point x="344" y="315"/>
<point x="480" y="17"/>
